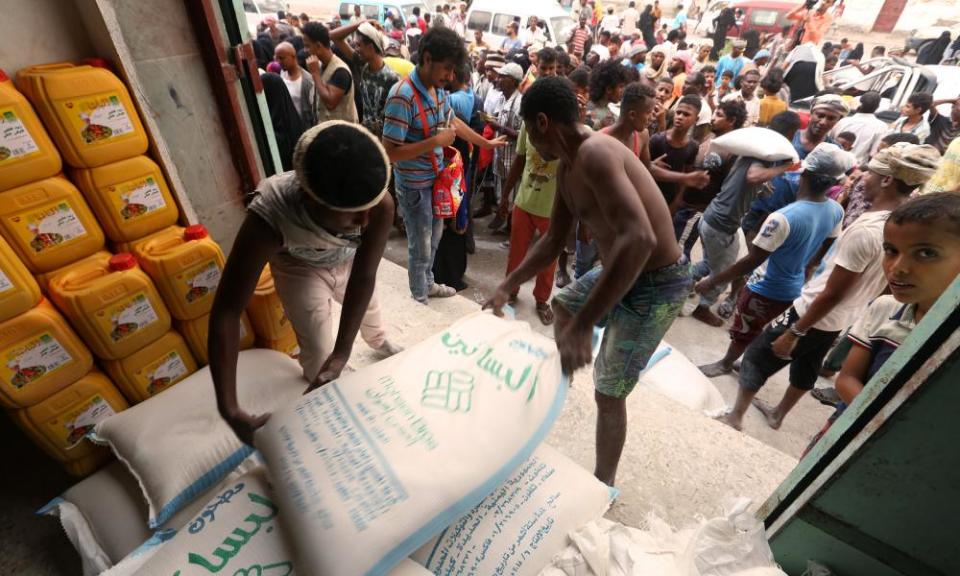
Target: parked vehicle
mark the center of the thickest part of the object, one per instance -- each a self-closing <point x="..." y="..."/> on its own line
<point x="257" y="10"/>
<point x="764" y="16"/>
<point x="493" y="16"/>
<point x="895" y="79"/>
<point x="377" y="10"/>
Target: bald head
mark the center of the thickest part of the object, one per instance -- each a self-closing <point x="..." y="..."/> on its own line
<point x="286" y="55"/>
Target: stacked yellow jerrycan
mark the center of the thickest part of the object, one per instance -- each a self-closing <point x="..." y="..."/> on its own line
<point x="87" y="111"/>
<point x="48" y="224"/>
<point x="269" y="320"/>
<point x="18" y="290"/>
<point x="130" y="197"/>
<point x="112" y="304"/>
<point x="40" y="355"/>
<point x="153" y="369"/>
<point x="197" y="331"/>
<point x="26" y="152"/>
<point x="186" y="267"/>
<point x="59" y="423"/>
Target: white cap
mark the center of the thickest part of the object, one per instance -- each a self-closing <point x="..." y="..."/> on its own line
<point x="512" y="70"/>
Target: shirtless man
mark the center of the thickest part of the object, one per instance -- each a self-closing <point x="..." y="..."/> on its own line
<point x="644" y="279"/>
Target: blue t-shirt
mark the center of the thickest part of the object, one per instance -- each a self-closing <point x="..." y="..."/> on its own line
<point x="793" y="235"/>
<point x="735" y="65"/>
<point x="462" y="104"/>
<point x="784" y="187"/>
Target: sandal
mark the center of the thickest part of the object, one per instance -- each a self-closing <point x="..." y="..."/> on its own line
<point x="545" y="312"/>
<point x="441" y="291"/>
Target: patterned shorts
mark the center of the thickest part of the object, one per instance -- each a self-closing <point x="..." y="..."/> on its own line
<point x="636" y="324"/>
<point x="754" y="312"/>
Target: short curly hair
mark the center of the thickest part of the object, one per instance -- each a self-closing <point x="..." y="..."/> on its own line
<point x="554" y="97"/>
<point x="443" y="45"/>
<point x="735" y="111"/>
<point x="936" y="208"/>
<point x="606" y="75"/>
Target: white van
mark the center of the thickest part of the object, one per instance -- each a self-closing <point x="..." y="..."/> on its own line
<point x="493" y="17"/>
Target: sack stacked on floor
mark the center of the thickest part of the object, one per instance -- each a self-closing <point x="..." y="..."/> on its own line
<point x="368" y="468"/>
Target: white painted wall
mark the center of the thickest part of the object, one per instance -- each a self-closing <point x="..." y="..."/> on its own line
<point x="39" y="32"/>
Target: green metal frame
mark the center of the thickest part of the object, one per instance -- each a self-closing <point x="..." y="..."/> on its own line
<point x="880" y="493"/>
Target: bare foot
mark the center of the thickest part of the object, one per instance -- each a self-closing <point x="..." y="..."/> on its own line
<point x="703" y="314"/>
<point x="718" y="368"/>
<point x="545" y="313"/>
<point x="769" y="412"/>
<point x="387" y="349"/>
<point x="729" y="421"/>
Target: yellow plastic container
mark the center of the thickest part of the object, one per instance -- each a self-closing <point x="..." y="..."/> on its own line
<point x="266" y="311"/>
<point x="19" y="292"/>
<point x="44" y="279"/>
<point x="287" y="343"/>
<point x="113" y="305"/>
<point x="152" y="369"/>
<point x="26" y="152"/>
<point x="133" y="246"/>
<point x="87" y="111"/>
<point x="130" y="197"/>
<point x="48" y="224"/>
<point x="196" y="333"/>
<point x="39" y="355"/>
<point x="59" y="423"/>
<point x="186" y="269"/>
<point x="25" y="76"/>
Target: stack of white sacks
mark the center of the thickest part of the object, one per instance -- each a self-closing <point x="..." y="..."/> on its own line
<point x="429" y="462"/>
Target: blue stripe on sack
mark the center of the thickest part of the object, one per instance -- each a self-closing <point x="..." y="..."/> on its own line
<point x="49" y="506"/>
<point x="201" y="485"/>
<point x="658" y="355"/>
<point x="468" y="502"/>
<point x="159" y="537"/>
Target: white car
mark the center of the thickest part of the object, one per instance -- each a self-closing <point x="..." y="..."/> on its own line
<point x="257" y="10"/>
<point x="493" y="16"/>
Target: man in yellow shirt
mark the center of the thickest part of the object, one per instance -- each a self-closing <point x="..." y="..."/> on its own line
<point x="771" y="104"/>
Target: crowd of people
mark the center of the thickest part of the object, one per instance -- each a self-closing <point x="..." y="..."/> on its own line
<point x="600" y="151"/>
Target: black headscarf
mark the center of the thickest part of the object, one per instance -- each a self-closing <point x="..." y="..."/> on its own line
<point x="287" y="126"/>
<point x="752" y="37"/>
<point x="646" y="27"/>
<point x="856" y="53"/>
<point x="722" y="24"/>
<point x="263" y="49"/>
<point x="932" y="52"/>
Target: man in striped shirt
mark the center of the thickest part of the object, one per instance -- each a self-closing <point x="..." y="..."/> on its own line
<point x="418" y="124"/>
<point x="579" y="38"/>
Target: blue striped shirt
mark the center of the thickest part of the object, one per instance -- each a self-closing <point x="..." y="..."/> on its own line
<point x="403" y="124"/>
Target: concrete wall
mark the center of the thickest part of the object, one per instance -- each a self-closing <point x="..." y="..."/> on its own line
<point x="40" y="32"/>
<point x="153" y="43"/>
<point x="917" y="14"/>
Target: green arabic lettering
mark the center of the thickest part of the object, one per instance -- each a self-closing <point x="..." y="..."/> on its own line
<point x="458" y="346"/>
<point x="231" y="546"/>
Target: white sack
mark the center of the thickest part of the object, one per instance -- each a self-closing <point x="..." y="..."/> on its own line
<point x="176" y="444"/>
<point x="731" y="545"/>
<point x="676" y="377"/>
<point x="755" y="142"/>
<point x="520" y="526"/>
<point x="370" y="467"/>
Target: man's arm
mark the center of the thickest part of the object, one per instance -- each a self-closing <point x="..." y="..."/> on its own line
<point x="755" y="257"/>
<point x="850" y="380"/>
<point x="758" y="173"/>
<point x="359" y="290"/>
<point x="817" y="258"/>
<point x="796" y="15"/>
<point x="329" y="94"/>
<point x="254" y="244"/>
<point x="339" y="37"/>
<point x="463" y="130"/>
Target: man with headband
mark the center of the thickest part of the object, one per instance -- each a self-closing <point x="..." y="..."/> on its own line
<point x="837" y="297"/>
<point x="323" y="228"/>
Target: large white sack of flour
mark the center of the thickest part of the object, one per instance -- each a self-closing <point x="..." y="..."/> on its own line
<point x="676" y="377"/>
<point x="176" y="444"/>
<point x="755" y="142"/>
<point x="523" y="523"/>
<point x="238" y="531"/>
<point x="372" y="466"/>
<point x="105" y="516"/>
